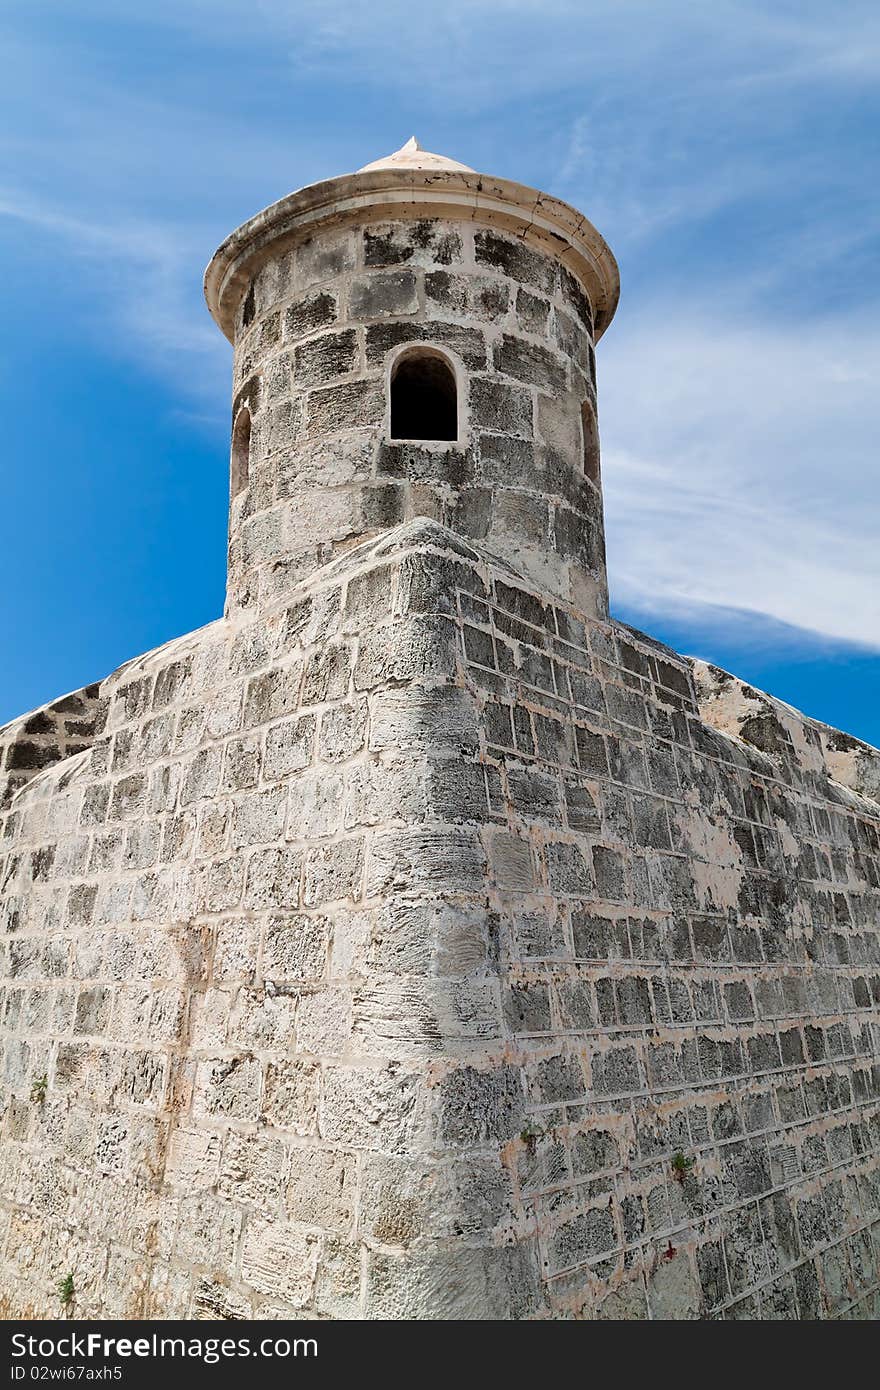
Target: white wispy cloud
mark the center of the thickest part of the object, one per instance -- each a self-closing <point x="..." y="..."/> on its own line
<point x="141" y="269"/>
<point x="739" y="465"/>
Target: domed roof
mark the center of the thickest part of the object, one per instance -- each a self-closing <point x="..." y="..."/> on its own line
<point x="412" y="156"/>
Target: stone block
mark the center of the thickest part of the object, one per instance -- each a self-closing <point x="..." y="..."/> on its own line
<point x="509" y="256"/>
<point x="477" y="1107"/>
<point x="369" y="1108"/>
<point x="321" y="360"/>
<point x="291" y="1096"/>
<point x="229" y="1087"/>
<point x="442" y="717"/>
<point x="350" y="405"/>
<point x="530" y="363"/>
<point x="254" y="1170"/>
<point x="467" y="343"/>
<point x="324" y="258"/>
<point x="399" y="859"/>
<point x="333" y="872"/>
<point x="280" y="1260"/>
<point x="295" y="948"/>
<point x="383" y="296"/>
<point x="258" y="818"/>
<point x="327" y="674"/>
<point x="323" y="1024"/>
<point x="322" y="1189"/>
<point x="425" y="242"/>
<point x="273" y="879"/>
<point x="343" y="731"/>
<point x="501" y="409"/>
<point x="311" y="312"/>
<point x="289" y="746"/>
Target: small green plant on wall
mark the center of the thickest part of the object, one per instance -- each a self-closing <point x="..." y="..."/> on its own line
<point x="681" y="1166"/>
<point x="66" y="1290"/>
<point x="38" y="1089"/>
<point x="530" y="1134"/>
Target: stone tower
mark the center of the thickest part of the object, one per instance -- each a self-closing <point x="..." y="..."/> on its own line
<point x="417" y="941"/>
<point x="420" y="279"/>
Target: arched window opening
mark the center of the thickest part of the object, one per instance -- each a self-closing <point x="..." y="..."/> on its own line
<point x="591" y="441"/>
<point x="424" y="398"/>
<point x="241" y="451"/>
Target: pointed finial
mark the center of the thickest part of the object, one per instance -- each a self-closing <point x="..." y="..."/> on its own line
<point x="413" y="156"/>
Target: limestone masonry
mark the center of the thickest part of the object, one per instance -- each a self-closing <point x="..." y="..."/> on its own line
<point x="416" y="941"/>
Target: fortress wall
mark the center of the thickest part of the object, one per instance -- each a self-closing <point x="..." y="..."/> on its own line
<point x="235" y="963"/>
<point x="421" y="951"/>
<point x="690" y="953"/>
<point x="797" y="745"/>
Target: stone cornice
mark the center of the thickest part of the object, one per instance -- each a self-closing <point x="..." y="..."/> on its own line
<point x="539" y="219"/>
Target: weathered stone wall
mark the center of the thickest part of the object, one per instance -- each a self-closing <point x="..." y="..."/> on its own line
<point x="420" y="950"/>
<point x="45" y="736"/>
<point x="689" y="941"/>
<point x="316" y="336"/>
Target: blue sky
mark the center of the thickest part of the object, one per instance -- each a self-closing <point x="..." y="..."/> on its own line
<point x="727" y="152"/>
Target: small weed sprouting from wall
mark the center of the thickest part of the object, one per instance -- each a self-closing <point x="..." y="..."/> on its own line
<point x="66" y="1290"/>
<point x="38" y="1089"/>
<point x="530" y="1134"/>
<point x="681" y="1166"/>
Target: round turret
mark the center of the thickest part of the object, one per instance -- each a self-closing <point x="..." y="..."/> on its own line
<point x="414" y="339"/>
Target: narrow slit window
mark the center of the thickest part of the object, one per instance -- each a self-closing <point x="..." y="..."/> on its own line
<point x="424" y="398"/>
<point x="241" y="451"/>
<point x="591" y="441"/>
